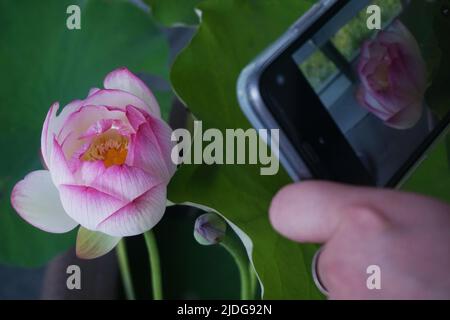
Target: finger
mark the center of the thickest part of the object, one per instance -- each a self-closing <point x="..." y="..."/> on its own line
<point x="312" y="211"/>
<point x="300" y="213"/>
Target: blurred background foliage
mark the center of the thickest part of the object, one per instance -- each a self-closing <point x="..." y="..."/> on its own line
<point x="43" y="62"/>
<point x="174" y="12"/>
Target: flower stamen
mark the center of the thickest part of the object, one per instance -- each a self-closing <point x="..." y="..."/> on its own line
<point x="110" y="147"/>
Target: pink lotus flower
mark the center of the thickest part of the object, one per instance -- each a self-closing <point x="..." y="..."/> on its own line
<point x="108" y="160"/>
<point x="393" y="77"/>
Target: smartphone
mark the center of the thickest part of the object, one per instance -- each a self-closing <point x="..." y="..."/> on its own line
<point x="306" y="85"/>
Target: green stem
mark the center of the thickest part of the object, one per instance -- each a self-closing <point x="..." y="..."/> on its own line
<point x="155" y="268"/>
<point x="234" y="247"/>
<point x="122" y="258"/>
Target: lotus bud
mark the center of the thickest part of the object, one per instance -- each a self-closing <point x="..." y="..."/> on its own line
<point x="209" y="229"/>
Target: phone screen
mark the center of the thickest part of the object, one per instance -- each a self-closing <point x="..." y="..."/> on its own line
<point x="373" y="76"/>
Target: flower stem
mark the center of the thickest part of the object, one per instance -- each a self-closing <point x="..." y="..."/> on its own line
<point x="234" y="247"/>
<point x="155" y="268"/>
<point x="122" y="258"/>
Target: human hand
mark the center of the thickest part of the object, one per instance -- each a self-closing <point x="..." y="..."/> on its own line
<point x="406" y="235"/>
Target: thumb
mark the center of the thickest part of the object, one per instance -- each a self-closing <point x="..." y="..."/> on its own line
<point x="304" y="211"/>
<point x="311" y="211"/>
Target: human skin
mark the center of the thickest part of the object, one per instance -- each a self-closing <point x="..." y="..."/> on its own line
<point x="407" y="235"/>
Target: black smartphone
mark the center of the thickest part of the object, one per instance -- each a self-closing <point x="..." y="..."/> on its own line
<point x="347" y="86"/>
